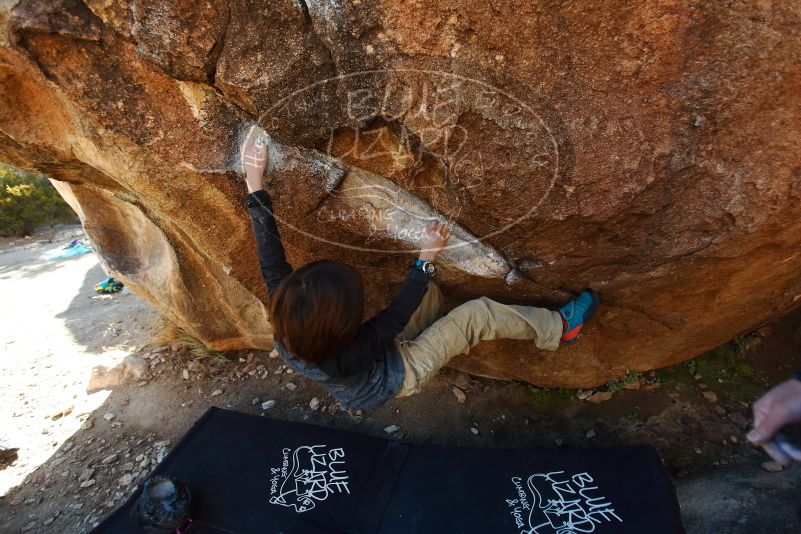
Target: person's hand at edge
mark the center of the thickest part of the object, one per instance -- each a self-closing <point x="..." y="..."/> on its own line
<point x="254" y="158"/>
<point x="435" y="237"/>
<point x="776" y="408"/>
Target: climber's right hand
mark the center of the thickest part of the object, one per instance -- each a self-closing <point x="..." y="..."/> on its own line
<point x="778" y="407"/>
<point x="254" y="157"/>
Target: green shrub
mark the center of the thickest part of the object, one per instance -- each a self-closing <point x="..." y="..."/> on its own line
<point x="28" y="201"/>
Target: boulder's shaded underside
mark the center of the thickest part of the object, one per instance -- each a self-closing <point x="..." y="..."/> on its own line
<point x="651" y="151"/>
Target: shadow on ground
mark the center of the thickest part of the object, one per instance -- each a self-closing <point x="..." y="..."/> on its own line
<point x="99" y="322"/>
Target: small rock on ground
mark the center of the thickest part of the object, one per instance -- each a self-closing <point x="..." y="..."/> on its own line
<point x="462" y="381"/>
<point x="133" y="368"/>
<point x="772" y="467"/>
<point x="599" y="397"/>
<point x="633" y="386"/>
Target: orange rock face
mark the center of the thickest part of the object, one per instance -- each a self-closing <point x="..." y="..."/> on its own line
<point x="651" y="151"/>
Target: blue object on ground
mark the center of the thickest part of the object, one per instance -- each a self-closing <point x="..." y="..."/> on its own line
<point x="109" y="285"/>
<point x="75" y="248"/>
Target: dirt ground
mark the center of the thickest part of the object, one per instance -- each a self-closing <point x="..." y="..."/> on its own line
<point x="81" y="453"/>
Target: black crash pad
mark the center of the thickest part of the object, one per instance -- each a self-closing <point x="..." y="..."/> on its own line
<point x="251" y="474"/>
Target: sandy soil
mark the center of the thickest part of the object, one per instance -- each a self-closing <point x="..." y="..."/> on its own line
<point x="81" y="454"/>
<point x="53" y="330"/>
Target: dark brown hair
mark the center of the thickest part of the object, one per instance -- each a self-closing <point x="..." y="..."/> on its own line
<point x="318" y="309"/>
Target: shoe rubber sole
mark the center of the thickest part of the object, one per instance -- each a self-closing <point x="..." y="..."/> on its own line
<point x="588" y="315"/>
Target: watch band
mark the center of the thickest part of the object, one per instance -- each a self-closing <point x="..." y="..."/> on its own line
<point x="425" y="266"/>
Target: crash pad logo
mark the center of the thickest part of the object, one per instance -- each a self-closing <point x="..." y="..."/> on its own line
<point x="557" y="503"/>
<point x="308" y="475"/>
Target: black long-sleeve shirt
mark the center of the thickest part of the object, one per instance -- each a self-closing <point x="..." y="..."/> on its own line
<point x="367" y="372"/>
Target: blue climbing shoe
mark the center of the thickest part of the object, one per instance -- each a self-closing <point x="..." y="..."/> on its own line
<point x="576" y="313"/>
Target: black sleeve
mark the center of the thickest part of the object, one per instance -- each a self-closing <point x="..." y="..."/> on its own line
<point x="390" y="321"/>
<point x="381" y="329"/>
<point x="272" y="259"/>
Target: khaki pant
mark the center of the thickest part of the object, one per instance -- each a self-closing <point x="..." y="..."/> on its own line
<point x="429" y="341"/>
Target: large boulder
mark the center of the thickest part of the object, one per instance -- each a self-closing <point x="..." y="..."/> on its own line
<point x="651" y="151"/>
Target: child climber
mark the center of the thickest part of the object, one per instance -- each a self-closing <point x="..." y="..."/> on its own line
<point x="317" y="310"/>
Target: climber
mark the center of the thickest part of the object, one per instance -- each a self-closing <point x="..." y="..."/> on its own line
<point x="317" y="310"/>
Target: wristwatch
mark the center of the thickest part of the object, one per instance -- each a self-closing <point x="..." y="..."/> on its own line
<point x="425" y="266"/>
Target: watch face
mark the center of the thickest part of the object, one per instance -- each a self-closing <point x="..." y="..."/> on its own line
<point x="428" y="268"/>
